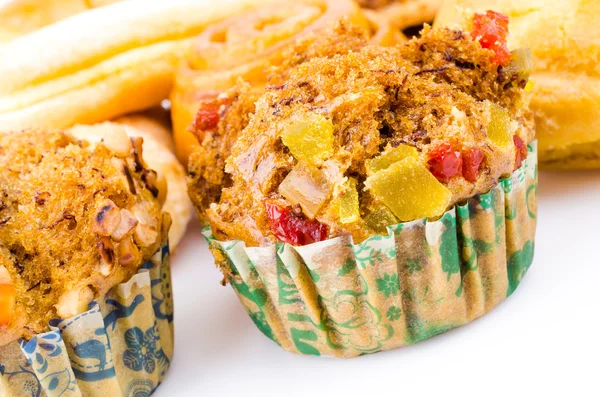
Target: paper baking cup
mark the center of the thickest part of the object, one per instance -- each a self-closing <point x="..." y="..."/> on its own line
<point x="122" y="346"/>
<point x="341" y="299"/>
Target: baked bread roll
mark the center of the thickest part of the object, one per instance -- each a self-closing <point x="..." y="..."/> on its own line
<point x="102" y="63"/>
<point x="563" y="37"/>
<point x="157" y="146"/>
<point x="245" y="46"/>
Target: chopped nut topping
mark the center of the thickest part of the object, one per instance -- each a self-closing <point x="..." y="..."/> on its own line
<point x="106" y="250"/>
<point x="146" y="231"/>
<point x="149" y="177"/>
<point x="138" y="151"/>
<point x="74" y="302"/>
<point x="128" y="222"/>
<point x="107" y="218"/>
<point x="129" y="254"/>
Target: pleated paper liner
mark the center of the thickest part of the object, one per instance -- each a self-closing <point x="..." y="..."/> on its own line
<point x="341" y="299"/>
<point x="122" y="346"/>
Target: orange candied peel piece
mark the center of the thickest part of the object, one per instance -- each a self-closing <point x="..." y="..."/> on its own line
<point x="7" y="298"/>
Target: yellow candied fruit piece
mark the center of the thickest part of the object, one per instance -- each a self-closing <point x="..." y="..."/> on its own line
<point x="349" y="211"/>
<point x="309" y="138"/>
<point x="389" y="157"/>
<point x="307" y="186"/>
<point x="498" y="130"/>
<point x="380" y="219"/>
<point x="409" y="190"/>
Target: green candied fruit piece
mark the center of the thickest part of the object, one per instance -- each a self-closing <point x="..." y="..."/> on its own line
<point x="349" y="211"/>
<point x="380" y="219"/>
<point x="498" y="130"/>
<point x="309" y="138"/>
<point x="389" y="157"/>
<point x="307" y="186"/>
<point x="410" y="190"/>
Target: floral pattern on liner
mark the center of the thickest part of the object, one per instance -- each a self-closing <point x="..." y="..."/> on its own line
<point x="341" y="299"/>
<point x="122" y="346"/>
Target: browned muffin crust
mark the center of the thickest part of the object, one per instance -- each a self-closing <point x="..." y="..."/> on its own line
<point x="436" y="89"/>
<point x="75" y="220"/>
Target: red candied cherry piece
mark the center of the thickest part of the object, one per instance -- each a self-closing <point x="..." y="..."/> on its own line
<point x="207" y="117"/>
<point x="491" y="30"/>
<point x="293" y="229"/>
<point x="472" y="160"/>
<point x="521" y="151"/>
<point x="445" y="162"/>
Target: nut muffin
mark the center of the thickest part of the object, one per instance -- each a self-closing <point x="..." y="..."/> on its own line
<point x="76" y="219"/>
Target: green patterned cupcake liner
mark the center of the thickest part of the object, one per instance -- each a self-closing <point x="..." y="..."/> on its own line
<point x="341" y="299"/>
<point x="122" y="346"/>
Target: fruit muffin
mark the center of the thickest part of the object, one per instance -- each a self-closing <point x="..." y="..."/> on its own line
<point x="76" y="219"/>
<point x="370" y="197"/>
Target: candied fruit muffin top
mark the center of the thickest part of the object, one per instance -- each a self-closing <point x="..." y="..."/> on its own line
<point x="355" y="142"/>
<point x="75" y="220"/>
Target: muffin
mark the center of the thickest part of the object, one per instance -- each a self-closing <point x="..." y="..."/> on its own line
<point x="76" y="220"/>
<point x="376" y="196"/>
<point x="563" y="37"/>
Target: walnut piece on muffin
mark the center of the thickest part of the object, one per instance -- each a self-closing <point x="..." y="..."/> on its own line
<point x="76" y="219"/>
<point x="357" y="141"/>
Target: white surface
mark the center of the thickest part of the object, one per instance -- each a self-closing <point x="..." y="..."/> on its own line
<point x="543" y="340"/>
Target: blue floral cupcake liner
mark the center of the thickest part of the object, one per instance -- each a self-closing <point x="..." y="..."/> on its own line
<point x="342" y="299"/>
<point x="122" y="346"/>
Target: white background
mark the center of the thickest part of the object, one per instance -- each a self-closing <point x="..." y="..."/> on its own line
<point x="544" y="340"/>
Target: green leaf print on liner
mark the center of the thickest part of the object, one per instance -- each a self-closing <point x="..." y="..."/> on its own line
<point x="448" y="251"/>
<point x="261" y="323"/>
<point x="259" y="297"/>
<point x="412" y="265"/>
<point x="388" y="285"/>
<point x="531" y="189"/>
<point x="393" y="313"/>
<point x="518" y="264"/>
<point x="347" y="267"/>
<point x="288" y="293"/>
<point x="418" y="331"/>
<point x="299" y="335"/>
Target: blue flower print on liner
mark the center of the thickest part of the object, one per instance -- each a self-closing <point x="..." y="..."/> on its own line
<point x="142" y="353"/>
